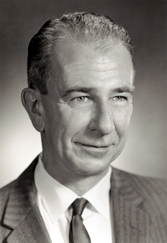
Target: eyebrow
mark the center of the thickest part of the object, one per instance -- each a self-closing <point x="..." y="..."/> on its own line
<point x="77" y="89"/>
<point x="124" y="89"/>
<point x="88" y="90"/>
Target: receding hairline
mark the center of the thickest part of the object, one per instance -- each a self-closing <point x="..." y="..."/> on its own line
<point x="59" y="50"/>
<point x="58" y="67"/>
<point x="89" y="28"/>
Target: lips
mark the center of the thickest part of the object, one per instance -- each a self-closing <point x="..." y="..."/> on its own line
<point x="93" y="150"/>
<point x="94" y="145"/>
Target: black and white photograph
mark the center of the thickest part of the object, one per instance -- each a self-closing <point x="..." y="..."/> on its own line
<point x="83" y="107"/>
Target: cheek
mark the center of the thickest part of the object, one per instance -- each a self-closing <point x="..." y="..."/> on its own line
<point x="122" y="119"/>
<point x="55" y="122"/>
<point x="71" y="121"/>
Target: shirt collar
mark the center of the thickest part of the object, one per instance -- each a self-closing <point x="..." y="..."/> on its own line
<point x="57" y="197"/>
<point x="98" y="195"/>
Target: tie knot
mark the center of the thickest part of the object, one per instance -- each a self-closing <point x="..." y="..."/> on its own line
<point x="78" y="206"/>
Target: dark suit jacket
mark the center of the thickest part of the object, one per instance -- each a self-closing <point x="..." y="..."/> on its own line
<point x="139" y="209"/>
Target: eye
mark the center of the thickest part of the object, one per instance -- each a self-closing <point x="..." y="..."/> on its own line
<point x="119" y="101"/>
<point x="81" y="101"/>
<point x="120" y="98"/>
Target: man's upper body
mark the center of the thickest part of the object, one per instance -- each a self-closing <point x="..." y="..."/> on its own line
<point x="54" y="201"/>
<point x="138" y="210"/>
<point x="80" y="76"/>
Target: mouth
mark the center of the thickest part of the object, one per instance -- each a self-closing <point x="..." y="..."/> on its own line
<point x="92" y="147"/>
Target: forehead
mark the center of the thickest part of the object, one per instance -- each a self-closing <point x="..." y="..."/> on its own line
<point x="79" y="63"/>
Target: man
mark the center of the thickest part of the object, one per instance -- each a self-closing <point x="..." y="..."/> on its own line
<point x="80" y="76"/>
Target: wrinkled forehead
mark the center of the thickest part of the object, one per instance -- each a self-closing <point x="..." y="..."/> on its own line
<point x="68" y="55"/>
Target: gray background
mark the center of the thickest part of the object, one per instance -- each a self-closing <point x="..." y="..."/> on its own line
<point x="145" y="20"/>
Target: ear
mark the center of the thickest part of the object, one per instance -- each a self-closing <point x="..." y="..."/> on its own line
<point x="31" y="100"/>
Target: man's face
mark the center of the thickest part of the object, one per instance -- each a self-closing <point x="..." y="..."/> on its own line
<point x="88" y="108"/>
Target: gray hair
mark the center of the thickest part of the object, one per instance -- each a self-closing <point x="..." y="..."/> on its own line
<point x="97" y="30"/>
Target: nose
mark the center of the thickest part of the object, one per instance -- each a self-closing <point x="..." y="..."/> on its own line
<point x="102" y="120"/>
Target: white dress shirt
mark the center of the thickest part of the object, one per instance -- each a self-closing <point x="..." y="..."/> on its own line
<point x="54" y="200"/>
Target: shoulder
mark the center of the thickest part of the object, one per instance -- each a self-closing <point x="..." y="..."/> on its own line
<point x="147" y="187"/>
<point x="138" y="178"/>
<point x="15" y="198"/>
<point x="20" y="185"/>
<point x="4" y="195"/>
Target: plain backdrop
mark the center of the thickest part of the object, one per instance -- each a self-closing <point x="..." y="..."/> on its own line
<point x="146" y="149"/>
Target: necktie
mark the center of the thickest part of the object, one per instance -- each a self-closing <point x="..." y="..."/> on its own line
<point x="78" y="232"/>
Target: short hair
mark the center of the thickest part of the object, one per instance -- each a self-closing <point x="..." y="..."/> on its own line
<point x="92" y="28"/>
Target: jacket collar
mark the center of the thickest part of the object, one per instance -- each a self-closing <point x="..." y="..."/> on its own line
<point x="22" y="214"/>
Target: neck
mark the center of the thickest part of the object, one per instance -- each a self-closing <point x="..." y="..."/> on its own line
<point x="82" y="185"/>
<point x="78" y="183"/>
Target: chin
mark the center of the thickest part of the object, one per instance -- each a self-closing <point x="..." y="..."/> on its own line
<point x="89" y="167"/>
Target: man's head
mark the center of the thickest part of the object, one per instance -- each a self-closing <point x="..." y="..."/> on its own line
<point x="99" y="31"/>
<point x="80" y="95"/>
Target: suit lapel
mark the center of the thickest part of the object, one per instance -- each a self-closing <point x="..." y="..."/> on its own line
<point x="30" y="230"/>
<point x="131" y="223"/>
<point x="22" y="215"/>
